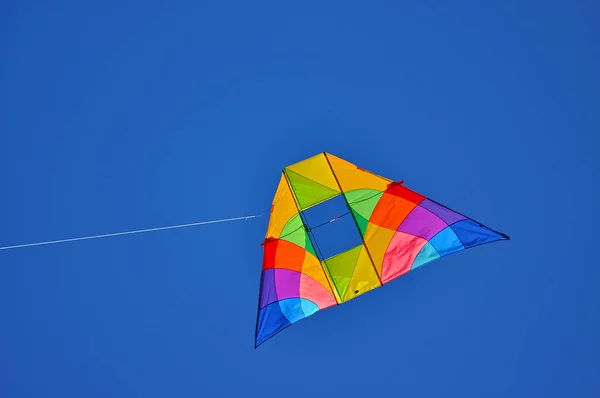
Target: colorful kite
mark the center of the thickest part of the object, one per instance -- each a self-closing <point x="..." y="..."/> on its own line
<point x="400" y="230"/>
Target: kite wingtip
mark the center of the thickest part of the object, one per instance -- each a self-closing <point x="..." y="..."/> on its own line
<point x="268" y="240"/>
<point x="395" y="184"/>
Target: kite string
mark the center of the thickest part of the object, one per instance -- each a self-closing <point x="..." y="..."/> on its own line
<point x="138" y="231"/>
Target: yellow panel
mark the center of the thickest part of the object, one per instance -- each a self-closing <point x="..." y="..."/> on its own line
<point x="313" y="268"/>
<point x="351" y="177"/>
<point x="377" y="240"/>
<point x="283" y="208"/>
<point x="364" y="277"/>
<point x="316" y="169"/>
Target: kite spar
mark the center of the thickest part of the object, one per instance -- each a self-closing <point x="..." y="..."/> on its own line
<point x="400" y="230"/>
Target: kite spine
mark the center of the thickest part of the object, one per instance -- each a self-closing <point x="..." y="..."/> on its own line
<point x="305" y="225"/>
<point x="354" y="218"/>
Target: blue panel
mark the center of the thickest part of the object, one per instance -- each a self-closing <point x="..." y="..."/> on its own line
<point x="270" y="321"/>
<point x="308" y="307"/>
<point x="472" y="234"/>
<point x="426" y="255"/>
<point x="295" y="309"/>
<point x="292" y="309"/>
<point x="446" y="242"/>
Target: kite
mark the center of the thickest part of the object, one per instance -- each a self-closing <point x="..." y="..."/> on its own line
<point x="400" y="230"/>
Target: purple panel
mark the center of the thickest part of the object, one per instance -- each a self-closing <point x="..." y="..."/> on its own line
<point x="422" y="223"/>
<point x="288" y="283"/>
<point x="449" y="216"/>
<point x="268" y="294"/>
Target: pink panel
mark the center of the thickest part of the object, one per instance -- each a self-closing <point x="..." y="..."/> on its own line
<point x="400" y="254"/>
<point x="315" y="292"/>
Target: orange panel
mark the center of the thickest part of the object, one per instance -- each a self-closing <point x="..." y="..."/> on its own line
<point x="391" y="210"/>
<point x="289" y="256"/>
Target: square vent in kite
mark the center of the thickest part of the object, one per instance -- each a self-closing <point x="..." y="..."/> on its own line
<point x="332" y="227"/>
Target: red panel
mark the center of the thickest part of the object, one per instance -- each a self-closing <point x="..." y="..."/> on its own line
<point x="270" y="248"/>
<point x="397" y="189"/>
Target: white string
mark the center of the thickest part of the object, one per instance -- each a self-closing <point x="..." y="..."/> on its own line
<point x="139" y="231"/>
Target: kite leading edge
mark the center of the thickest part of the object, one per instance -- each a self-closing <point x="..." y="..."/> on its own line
<point x="400" y="229"/>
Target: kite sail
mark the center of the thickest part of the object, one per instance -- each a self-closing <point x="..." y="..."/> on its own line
<point x="400" y="231"/>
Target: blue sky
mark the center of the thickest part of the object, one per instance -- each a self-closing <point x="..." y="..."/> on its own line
<point x="129" y="114"/>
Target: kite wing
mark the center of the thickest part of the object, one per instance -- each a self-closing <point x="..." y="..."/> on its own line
<point x="400" y="229"/>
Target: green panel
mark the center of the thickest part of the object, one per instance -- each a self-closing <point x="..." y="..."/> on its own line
<point x="294" y="231"/>
<point x="363" y="201"/>
<point x="309" y="245"/>
<point x="341" y="267"/>
<point x="307" y="191"/>
<point x="362" y="223"/>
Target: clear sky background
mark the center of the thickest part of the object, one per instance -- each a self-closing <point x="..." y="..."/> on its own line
<point x="120" y="115"/>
